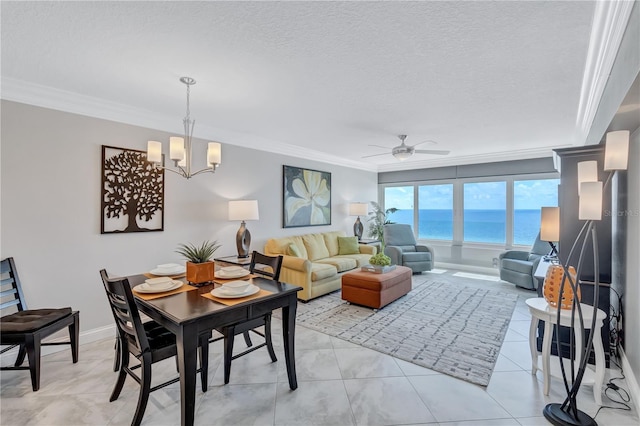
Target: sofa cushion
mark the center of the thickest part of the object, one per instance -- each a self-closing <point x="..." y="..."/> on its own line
<point x="293" y="250"/>
<point x="348" y="245"/>
<point x="331" y="241"/>
<point x="276" y="246"/>
<point x="320" y="271"/>
<point x="341" y="263"/>
<point x="316" y="247"/>
<point x="521" y="266"/>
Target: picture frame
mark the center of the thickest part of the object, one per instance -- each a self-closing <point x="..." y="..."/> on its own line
<point x="132" y="193"/>
<point x="306" y="197"/>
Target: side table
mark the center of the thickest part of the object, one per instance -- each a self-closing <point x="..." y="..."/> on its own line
<point x="372" y="242"/>
<point x="541" y="311"/>
<point x="245" y="262"/>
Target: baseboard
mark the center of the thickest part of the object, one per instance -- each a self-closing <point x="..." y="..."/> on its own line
<point x="468" y="268"/>
<point x="632" y="381"/>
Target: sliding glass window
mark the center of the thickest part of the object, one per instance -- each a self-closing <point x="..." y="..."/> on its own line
<point x="528" y="197"/>
<point x="485" y="212"/>
<point x="401" y="198"/>
<point x="435" y="212"/>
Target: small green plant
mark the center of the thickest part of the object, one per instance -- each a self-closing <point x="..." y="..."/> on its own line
<point x="195" y="254"/>
<point x="380" y="259"/>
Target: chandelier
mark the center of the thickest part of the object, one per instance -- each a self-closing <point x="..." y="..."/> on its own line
<point x="180" y="147"/>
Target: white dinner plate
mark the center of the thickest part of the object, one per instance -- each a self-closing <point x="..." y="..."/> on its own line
<point x="219" y="292"/>
<point x="235" y="274"/>
<point x="167" y="272"/>
<point x="146" y="288"/>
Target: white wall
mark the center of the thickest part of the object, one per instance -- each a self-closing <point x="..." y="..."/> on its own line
<point x="50" y="211"/>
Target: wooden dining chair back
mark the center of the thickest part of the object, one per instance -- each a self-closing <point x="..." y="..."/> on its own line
<point x="25" y="328"/>
<point x="148" y="342"/>
<point x="268" y="267"/>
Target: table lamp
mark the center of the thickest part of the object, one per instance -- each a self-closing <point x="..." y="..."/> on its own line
<point x="358" y="209"/>
<point x="550" y="228"/>
<point x="243" y="210"/>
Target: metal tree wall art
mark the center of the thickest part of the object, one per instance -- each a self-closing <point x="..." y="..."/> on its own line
<point x="132" y="192"/>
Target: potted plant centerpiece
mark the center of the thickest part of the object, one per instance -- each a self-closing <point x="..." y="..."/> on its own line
<point x="379" y="263"/>
<point x="200" y="267"/>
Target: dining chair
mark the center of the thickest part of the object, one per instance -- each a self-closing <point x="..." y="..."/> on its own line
<point x="148" y="342"/>
<point x="25" y="328"/>
<point x="268" y="267"/>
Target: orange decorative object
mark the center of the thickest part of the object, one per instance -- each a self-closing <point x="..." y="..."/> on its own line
<point x="552" y="283"/>
<point x="200" y="273"/>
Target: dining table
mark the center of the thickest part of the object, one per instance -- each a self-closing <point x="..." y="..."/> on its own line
<point x="192" y="311"/>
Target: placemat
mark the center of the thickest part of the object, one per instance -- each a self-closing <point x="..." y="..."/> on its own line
<point x="151" y="296"/>
<point x="231" y="302"/>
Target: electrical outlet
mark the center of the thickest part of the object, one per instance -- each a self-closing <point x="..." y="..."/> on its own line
<point x="495" y="262"/>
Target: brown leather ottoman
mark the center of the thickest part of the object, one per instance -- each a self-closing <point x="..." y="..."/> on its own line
<point x="376" y="290"/>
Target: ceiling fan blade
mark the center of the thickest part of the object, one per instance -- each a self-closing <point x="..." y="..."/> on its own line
<point x="375" y="155"/>
<point x="431" y="151"/>
<point x="427" y="141"/>
<point x="380" y="146"/>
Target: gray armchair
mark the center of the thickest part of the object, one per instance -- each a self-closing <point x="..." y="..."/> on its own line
<point x="518" y="267"/>
<point x="400" y="245"/>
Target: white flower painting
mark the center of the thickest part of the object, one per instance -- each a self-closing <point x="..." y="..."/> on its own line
<point x="307" y="197"/>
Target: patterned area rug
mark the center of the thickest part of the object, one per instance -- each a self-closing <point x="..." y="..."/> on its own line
<point x="453" y="328"/>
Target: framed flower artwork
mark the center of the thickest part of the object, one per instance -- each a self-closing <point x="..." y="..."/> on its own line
<point x="306" y="197"/>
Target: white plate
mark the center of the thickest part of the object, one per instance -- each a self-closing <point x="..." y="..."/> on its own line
<point x="167" y="272"/>
<point x="145" y="288"/>
<point x="235" y="274"/>
<point x="231" y="268"/>
<point x="219" y="292"/>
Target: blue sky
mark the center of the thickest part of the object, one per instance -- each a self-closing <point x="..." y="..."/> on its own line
<point x="528" y="194"/>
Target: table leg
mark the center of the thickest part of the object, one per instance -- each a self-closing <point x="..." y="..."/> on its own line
<point x="546" y="354"/>
<point x="600" y="366"/>
<point x="532" y="344"/>
<point x="187" y="343"/>
<point x="288" y="334"/>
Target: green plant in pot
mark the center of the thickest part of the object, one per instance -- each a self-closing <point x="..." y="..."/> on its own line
<point x="380" y="259"/>
<point x="378" y="218"/>
<point x="200" y="267"/>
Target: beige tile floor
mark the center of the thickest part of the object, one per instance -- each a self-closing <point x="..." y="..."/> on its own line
<point x="339" y="384"/>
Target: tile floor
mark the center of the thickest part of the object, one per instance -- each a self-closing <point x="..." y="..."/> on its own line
<point x="339" y="384"/>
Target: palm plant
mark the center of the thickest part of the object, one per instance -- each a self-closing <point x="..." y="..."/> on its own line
<point x="198" y="254"/>
<point x="378" y="218"/>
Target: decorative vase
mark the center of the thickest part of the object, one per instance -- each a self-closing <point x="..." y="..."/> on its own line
<point x="552" y="283"/>
<point x="200" y="273"/>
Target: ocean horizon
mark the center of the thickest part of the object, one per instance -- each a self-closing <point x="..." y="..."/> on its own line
<point x="487" y="226"/>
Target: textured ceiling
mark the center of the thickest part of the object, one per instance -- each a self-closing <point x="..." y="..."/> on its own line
<point x="485" y="80"/>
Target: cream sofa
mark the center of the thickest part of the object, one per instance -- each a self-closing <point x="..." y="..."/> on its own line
<point x="313" y="262"/>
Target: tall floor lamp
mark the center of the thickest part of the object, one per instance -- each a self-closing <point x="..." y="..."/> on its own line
<point x="590" y="192"/>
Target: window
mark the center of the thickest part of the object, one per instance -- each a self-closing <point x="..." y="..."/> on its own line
<point x="400" y="197"/>
<point x="435" y="212"/>
<point x="528" y="197"/>
<point x="485" y="212"/>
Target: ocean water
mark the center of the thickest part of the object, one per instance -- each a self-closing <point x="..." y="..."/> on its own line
<point x="487" y="226"/>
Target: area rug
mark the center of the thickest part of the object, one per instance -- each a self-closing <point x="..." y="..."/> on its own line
<point x="453" y="328"/>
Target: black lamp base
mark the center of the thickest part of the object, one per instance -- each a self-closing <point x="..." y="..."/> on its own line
<point x="559" y="417"/>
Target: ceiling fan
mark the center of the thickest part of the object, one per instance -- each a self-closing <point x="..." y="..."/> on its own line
<point x="403" y="151"/>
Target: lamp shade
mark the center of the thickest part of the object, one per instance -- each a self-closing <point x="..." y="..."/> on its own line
<point x="550" y="224"/>
<point x="590" y="205"/>
<point x="243" y="210"/>
<point x="154" y="151"/>
<point x="587" y="172"/>
<point x="616" y="152"/>
<point x="358" y="209"/>
<point x="176" y="148"/>
<point x="214" y="157"/>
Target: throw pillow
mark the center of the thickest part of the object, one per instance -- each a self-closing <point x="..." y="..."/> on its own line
<point x="348" y="245"/>
<point x="293" y="250"/>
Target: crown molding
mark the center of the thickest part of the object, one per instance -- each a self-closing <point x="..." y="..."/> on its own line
<point x="610" y="20"/>
<point x="62" y="100"/>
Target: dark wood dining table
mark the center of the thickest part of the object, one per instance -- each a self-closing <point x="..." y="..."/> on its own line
<point x="189" y="314"/>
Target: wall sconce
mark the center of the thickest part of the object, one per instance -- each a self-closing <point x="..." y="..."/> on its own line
<point x="590" y="191"/>
<point x="358" y="209"/>
<point x="243" y="210"/>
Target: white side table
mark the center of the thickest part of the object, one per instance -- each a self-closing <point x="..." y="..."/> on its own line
<point x="540" y="310"/>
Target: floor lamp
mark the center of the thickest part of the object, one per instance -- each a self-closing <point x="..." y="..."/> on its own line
<point x="590" y="192"/>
